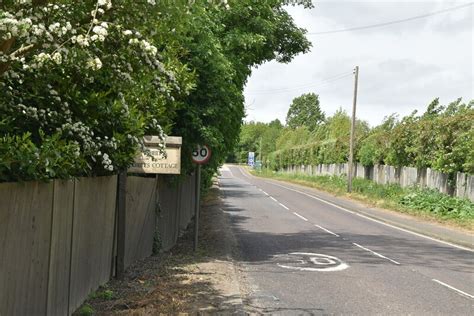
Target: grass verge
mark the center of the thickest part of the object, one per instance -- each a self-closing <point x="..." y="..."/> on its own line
<point x="428" y="204"/>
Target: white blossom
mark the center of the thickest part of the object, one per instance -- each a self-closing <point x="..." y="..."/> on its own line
<point x="94" y="63"/>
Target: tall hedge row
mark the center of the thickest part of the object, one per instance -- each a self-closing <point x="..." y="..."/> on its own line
<point x="442" y="138"/>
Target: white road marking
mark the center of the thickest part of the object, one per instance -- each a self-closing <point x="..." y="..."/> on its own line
<point x="454" y="289"/>
<point x="324" y="263"/>
<point x="314" y="197"/>
<point x="226" y="168"/>
<point x="271" y="197"/>
<point x="284" y="206"/>
<point x="326" y="230"/>
<point x="265" y="193"/>
<point x="243" y="173"/>
<point x="377" y="221"/>
<point x="376" y="253"/>
<point x="302" y="217"/>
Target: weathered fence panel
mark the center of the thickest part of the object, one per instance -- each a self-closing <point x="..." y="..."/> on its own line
<point x="25" y="232"/>
<point x="186" y="211"/>
<point x="404" y="176"/>
<point x="360" y="171"/>
<point x="408" y="176"/>
<point x="465" y="186"/>
<point x="93" y="235"/>
<point x="437" y="180"/>
<point x="140" y="218"/>
<point x="60" y="253"/>
<point x="57" y="239"/>
<point x="168" y="213"/>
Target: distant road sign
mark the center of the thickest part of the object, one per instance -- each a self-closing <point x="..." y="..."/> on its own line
<point x="201" y="154"/>
<point x="251" y="158"/>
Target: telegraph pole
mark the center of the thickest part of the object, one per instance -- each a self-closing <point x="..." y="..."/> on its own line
<point x="260" y="156"/>
<point x="351" y="146"/>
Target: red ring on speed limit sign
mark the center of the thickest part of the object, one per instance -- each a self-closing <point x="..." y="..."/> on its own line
<point x="201" y="154"/>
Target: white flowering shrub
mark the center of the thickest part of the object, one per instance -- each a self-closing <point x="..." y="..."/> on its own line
<point x="82" y="82"/>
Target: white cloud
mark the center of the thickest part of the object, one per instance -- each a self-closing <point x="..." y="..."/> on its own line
<point x="402" y="66"/>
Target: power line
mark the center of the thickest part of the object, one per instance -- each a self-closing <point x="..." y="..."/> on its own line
<point x="318" y="85"/>
<point x="393" y="22"/>
<point x="300" y="86"/>
<point x="312" y="85"/>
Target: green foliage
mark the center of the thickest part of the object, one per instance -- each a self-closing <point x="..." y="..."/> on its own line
<point x="437" y="203"/>
<point x="71" y="120"/>
<point x="328" y="143"/>
<point x="85" y="310"/>
<point x="374" y="147"/>
<point x="290" y="138"/>
<point x="442" y="138"/>
<point x="253" y="135"/>
<point x="305" y="111"/>
<point x="52" y="158"/>
<point x="221" y="47"/>
<point x="103" y="294"/>
<point x="102" y="111"/>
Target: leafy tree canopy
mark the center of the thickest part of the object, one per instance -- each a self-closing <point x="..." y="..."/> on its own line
<point x="305" y="111"/>
<point x="85" y="80"/>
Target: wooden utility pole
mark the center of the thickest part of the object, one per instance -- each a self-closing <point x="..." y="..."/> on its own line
<point x="260" y="156"/>
<point x="351" y="146"/>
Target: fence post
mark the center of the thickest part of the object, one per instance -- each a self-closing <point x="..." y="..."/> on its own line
<point x="121" y="218"/>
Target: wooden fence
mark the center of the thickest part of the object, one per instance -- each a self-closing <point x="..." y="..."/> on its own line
<point x="462" y="187"/>
<point x="58" y="240"/>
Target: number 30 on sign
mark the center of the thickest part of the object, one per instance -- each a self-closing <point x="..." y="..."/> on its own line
<point x="201" y="154"/>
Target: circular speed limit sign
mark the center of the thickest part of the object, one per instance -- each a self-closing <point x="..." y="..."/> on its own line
<point x="201" y="154"/>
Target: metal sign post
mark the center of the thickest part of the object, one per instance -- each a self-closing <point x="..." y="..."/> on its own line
<point x="197" y="193"/>
<point x="200" y="156"/>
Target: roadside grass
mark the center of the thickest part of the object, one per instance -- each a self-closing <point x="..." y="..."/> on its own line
<point x="428" y="204"/>
<point x="85" y="310"/>
<point x="102" y="293"/>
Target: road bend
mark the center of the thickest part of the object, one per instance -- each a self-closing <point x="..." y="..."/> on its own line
<point x="301" y="254"/>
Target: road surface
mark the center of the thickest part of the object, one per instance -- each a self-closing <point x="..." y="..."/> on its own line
<point x="301" y="254"/>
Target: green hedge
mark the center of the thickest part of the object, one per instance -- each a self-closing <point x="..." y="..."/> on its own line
<point x="442" y="138"/>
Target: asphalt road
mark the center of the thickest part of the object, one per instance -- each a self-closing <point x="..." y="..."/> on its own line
<point x="303" y="255"/>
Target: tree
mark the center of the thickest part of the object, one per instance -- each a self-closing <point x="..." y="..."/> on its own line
<point x="85" y="80"/>
<point x="373" y="148"/>
<point x="305" y="111"/>
<point x="222" y="48"/>
<point x="256" y="134"/>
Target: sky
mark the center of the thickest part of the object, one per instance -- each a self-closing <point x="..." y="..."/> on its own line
<point x="403" y="66"/>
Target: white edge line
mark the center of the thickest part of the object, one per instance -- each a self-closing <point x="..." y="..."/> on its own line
<point x="376" y="253"/>
<point x="243" y="173"/>
<point x="378" y="221"/>
<point x="302" y="217"/>
<point x="453" y="288"/>
<point x="327" y="230"/>
<point x="265" y="193"/>
<point x="271" y="197"/>
<point x="284" y="206"/>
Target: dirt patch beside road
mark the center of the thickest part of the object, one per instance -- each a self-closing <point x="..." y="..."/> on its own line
<point x="179" y="281"/>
